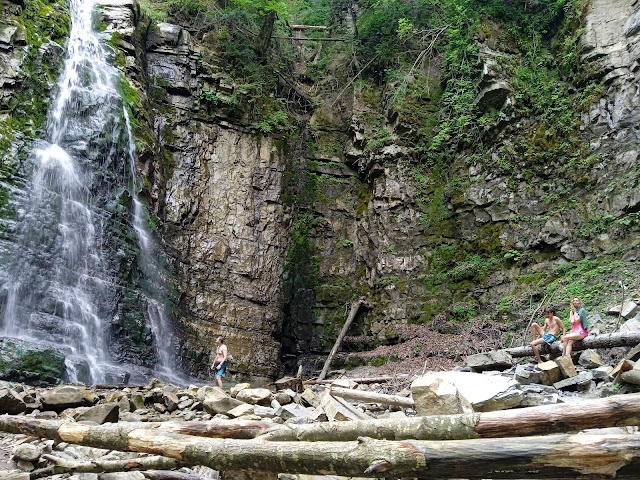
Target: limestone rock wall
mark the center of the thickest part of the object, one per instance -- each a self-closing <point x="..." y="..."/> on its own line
<point x="215" y="189"/>
<point x="373" y="228"/>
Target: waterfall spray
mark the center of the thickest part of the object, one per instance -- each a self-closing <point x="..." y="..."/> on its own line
<point x="62" y="288"/>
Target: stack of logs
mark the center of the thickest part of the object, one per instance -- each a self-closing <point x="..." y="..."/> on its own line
<point x="535" y="442"/>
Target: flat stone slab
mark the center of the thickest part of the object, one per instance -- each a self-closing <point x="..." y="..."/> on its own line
<point x="580" y="379"/>
<point x="489" y="361"/>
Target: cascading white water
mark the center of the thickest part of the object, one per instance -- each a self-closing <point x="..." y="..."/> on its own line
<point x="154" y="294"/>
<point x="62" y="289"/>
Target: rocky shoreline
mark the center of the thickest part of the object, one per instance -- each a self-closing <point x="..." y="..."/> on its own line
<point x="487" y="383"/>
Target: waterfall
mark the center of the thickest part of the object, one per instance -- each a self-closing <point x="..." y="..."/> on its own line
<point x="62" y="287"/>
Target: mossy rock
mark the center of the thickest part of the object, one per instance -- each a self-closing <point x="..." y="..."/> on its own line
<point x="30" y="363"/>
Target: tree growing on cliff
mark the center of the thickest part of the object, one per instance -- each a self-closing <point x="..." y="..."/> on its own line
<point x="269" y="10"/>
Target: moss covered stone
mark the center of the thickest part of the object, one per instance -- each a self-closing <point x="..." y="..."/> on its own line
<point x="30" y="363"/>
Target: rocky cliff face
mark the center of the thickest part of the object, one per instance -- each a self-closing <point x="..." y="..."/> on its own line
<point x="375" y="222"/>
<point x="217" y="191"/>
<point x="270" y="237"/>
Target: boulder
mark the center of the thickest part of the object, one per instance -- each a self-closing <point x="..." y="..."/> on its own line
<point x="601" y="373"/>
<point x="102" y="413"/>
<point x="536" y="395"/>
<point x="240" y="410"/>
<point x="171" y="401"/>
<point x="237" y="388"/>
<point x="216" y="401"/>
<point x="590" y="359"/>
<point x="283" y="398"/>
<point x="629" y="326"/>
<point x="497" y="360"/>
<point x="68" y="396"/>
<point x="292" y="411"/>
<point x="623" y="366"/>
<point x="579" y="381"/>
<point x="545" y="373"/>
<point x="308" y="398"/>
<point x="30" y="363"/>
<point x="11" y="402"/>
<point x="137" y="401"/>
<point x="551" y="370"/>
<point x="629" y="310"/>
<point x="433" y="395"/>
<point x="632" y="377"/>
<point x="255" y="396"/>
<point x="27" y="452"/>
<point x="265" y="411"/>
<point x="567" y="369"/>
<point x="344" y="383"/>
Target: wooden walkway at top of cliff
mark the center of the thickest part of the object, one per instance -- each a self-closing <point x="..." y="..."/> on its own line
<point x="318" y="28"/>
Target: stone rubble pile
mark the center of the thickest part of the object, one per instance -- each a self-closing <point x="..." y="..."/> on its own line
<point x="488" y="382"/>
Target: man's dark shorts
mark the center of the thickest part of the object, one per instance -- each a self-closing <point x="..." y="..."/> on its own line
<point x="222" y="371"/>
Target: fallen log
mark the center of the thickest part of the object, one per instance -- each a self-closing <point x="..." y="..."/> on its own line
<point x="351" y="394"/>
<point x="355" y="306"/>
<point x="552" y="456"/>
<point x="607" y="340"/>
<point x="618" y="410"/>
<point x="169" y="475"/>
<point x="155" y="462"/>
<point x="356" y="380"/>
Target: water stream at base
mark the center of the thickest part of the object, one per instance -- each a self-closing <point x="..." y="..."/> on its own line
<point x="62" y="288"/>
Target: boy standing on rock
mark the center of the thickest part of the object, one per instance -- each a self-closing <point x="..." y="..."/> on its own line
<point x="548" y="333"/>
<point x="219" y="365"/>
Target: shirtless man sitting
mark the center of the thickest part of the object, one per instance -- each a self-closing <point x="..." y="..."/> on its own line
<point x="548" y="333"/>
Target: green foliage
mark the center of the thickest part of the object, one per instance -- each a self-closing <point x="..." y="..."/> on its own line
<point x="25" y="115"/>
<point x="263" y="6"/>
<point x="596" y="225"/>
<point x="513" y="255"/>
<point x="462" y="312"/>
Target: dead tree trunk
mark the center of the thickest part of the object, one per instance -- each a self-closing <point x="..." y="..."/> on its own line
<point x="619" y="410"/>
<point x="608" y="340"/>
<point x="356" y="380"/>
<point x="553" y="456"/>
<point x="63" y="465"/>
<point x="396" y="400"/>
<point x="355" y="306"/>
<point x="264" y="37"/>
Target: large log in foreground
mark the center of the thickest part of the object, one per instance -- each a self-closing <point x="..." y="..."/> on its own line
<point x="607" y="340"/>
<point x="552" y="456"/>
<point x="618" y="410"/>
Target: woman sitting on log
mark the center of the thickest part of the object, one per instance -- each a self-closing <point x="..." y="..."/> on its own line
<point x="578" y="319"/>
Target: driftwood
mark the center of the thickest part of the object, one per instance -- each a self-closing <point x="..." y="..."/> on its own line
<point x="63" y="465"/>
<point x="356" y="380"/>
<point x="355" y="306"/>
<point x="618" y="410"/>
<point x="169" y="475"/>
<point x="608" y="340"/>
<point x="396" y="400"/>
<point x="552" y="456"/>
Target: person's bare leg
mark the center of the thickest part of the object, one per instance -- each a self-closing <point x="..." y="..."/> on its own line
<point x="536" y="331"/>
<point x="219" y="380"/>
<point x="569" y="340"/>
<point x="569" y="347"/>
<point x="537" y="353"/>
<point x="534" y="347"/>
